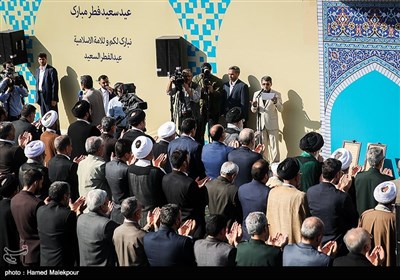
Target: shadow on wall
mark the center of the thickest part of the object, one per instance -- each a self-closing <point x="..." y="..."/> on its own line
<point x="295" y="122"/>
<point x="69" y="87"/>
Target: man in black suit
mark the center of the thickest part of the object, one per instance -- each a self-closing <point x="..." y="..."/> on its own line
<point x="46" y="85"/>
<point x="166" y="247"/>
<point x="117" y="171"/>
<point x="244" y="156"/>
<point x="137" y="122"/>
<point x="236" y="93"/>
<point x="82" y="129"/>
<point x="188" y="194"/>
<point x="56" y="224"/>
<point x="62" y="167"/>
<point x="11" y="154"/>
<point x="187" y="142"/>
<point x="26" y="123"/>
<point x="9" y="237"/>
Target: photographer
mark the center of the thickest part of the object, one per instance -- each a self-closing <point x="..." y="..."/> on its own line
<point x="12" y="97"/>
<point x="185" y="97"/>
<point x="210" y="101"/>
<point x="116" y="110"/>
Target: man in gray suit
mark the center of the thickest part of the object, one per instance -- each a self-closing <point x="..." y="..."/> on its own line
<point x="95" y="231"/>
<point x="215" y="249"/>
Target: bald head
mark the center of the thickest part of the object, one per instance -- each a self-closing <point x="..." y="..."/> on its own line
<point x="312" y="228"/>
<point x="217" y="132"/>
<point x="357" y="240"/>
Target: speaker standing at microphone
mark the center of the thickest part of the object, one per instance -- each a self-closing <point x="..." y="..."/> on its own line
<point x="267" y="103"/>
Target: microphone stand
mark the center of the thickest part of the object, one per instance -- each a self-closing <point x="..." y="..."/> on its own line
<point x="259" y="128"/>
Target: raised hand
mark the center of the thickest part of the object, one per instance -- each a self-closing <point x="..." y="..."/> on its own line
<point x="24" y="139"/>
<point x="345" y="182"/>
<point x="260" y="148"/>
<point x="387" y="171"/>
<point x="235" y="234"/>
<point x="330" y="248"/>
<point x="160" y="161"/>
<point x="355" y="170"/>
<point x="78" y="206"/>
<point x="79" y="159"/>
<point x="201" y="183"/>
<point x="187" y="228"/>
<point x="377" y="255"/>
<point x="279" y="240"/>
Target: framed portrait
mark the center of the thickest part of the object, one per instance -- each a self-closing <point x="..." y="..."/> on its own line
<point x="354" y="148"/>
<point x="370" y="145"/>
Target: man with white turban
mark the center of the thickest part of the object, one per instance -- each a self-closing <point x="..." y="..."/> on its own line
<point x="145" y="178"/>
<point x="49" y="121"/>
<point x="344" y="156"/>
<point x="34" y="151"/>
<point x="381" y="221"/>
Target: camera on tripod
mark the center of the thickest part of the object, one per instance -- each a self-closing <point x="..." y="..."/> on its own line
<point x="206" y="72"/>
<point x="179" y="78"/>
<point x="130" y="100"/>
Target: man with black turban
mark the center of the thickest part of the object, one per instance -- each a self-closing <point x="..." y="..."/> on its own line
<point x="287" y="206"/>
<point x="310" y="161"/>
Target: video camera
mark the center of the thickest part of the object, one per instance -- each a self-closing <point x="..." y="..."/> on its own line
<point x="179" y="78"/>
<point x="206" y="72"/>
<point x="130" y="100"/>
<point x="15" y="78"/>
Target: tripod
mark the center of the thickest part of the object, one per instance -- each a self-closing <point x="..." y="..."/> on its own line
<point x="258" y="121"/>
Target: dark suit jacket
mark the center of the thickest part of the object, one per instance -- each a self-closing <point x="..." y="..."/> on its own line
<point x="117" y="179"/>
<point x="253" y="197"/>
<point x="146" y="184"/>
<point x="196" y="167"/>
<point x="95" y="234"/>
<point x="223" y="200"/>
<point x="49" y="86"/>
<point x="167" y="248"/>
<point x="9" y="237"/>
<point x="63" y="169"/>
<point x="257" y="253"/>
<point x="365" y="184"/>
<point x="24" y="206"/>
<point x="352" y="260"/>
<point x="11" y="158"/>
<point x="162" y="148"/>
<point x="78" y="132"/>
<point x="57" y="233"/>
<point x="109" y="145"/>
<point x="244" y="158"/>
<point x="334" y="207"/>
<point x="23" y="125"/>
<point x="184" y="191"/>
<point x="238" y="98"/>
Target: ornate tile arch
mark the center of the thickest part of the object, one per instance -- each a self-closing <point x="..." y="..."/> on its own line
<point x="355" y="38"/>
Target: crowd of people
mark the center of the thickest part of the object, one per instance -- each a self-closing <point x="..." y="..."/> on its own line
<point x="108" y="194"/>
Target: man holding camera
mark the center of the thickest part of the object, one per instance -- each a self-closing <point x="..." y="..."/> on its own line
<point x="12" y="91"/>
<point x="210" y="101"/>
<point x="185" y="97"/>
